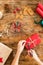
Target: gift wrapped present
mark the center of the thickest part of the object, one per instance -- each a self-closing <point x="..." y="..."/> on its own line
<point x="32" y="41"/>
<point x="4" y="53"/>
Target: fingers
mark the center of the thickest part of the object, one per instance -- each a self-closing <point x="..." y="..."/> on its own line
<point x="22" y="42"/>
<point x="32" y="50"/>
<point x="30" y="53"/>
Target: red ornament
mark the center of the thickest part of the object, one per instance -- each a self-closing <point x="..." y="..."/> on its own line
<point x="14" y="11"/>
<point x="17" y="9"/>
<point x="32" y="41"/>
<point x="1" y="60"/>
<point x="39" y="9"/>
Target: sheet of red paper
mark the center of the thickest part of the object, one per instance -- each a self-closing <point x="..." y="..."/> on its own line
<point x="1" y="60"/>
<point x="39" y="9"/>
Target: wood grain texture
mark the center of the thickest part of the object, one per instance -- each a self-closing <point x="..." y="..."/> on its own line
<point x="13" y="41"/>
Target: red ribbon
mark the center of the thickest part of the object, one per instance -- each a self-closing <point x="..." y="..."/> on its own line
<point x="16" y="26"/>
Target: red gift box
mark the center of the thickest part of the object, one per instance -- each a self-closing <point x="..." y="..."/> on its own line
<point x="32" y="41"/>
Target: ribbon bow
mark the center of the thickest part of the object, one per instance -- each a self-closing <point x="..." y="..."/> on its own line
<point x="16" y="26"/>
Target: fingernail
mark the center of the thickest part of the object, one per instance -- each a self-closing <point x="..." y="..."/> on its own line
<point x="23" y="43"/>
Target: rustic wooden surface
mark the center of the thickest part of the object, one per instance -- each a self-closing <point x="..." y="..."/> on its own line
<point x="13" y="41"/>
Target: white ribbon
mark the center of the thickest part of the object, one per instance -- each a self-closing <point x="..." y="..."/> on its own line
<point x="32" y="41"/>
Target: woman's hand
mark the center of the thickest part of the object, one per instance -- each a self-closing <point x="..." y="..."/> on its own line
<point x="35" y="56"/>
<point x="21" y="45"/>
<point x="20" y="48"/>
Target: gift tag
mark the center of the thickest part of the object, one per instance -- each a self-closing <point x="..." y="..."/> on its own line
<point x="32" y="41"/>
<point x="4" y="53"/>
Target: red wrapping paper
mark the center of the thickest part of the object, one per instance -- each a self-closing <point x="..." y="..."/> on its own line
<point x="1" y="60"/>
<point x="39" y="11"/>
<point x="32" y="41"/>
<point x="40" y="6"/>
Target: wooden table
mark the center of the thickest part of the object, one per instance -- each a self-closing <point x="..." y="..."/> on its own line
<point x="13" y="41"/>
